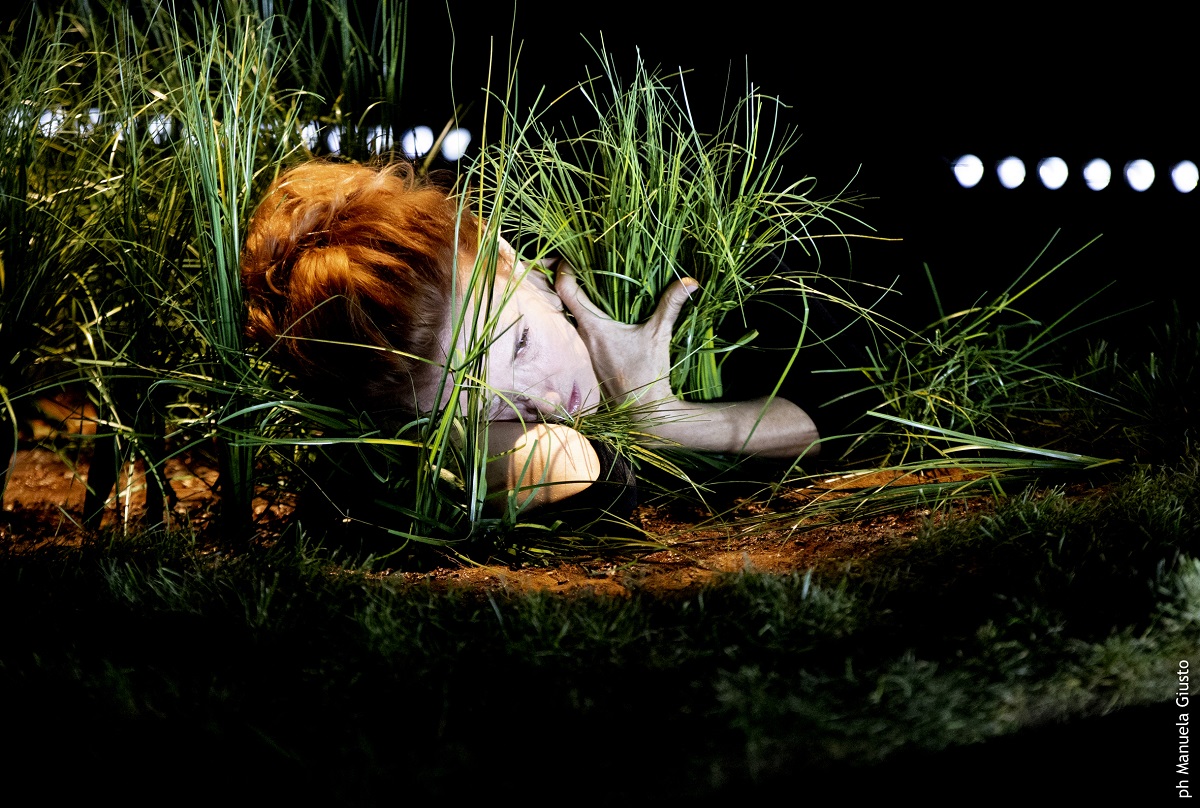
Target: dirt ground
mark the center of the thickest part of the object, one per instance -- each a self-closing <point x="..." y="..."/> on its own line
<point x="43" y="502"/>
<point x="44" y="498"/>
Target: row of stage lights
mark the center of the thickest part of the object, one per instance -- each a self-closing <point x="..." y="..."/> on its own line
<point x="419" y="141"/>
<point x="1053" y="172"/>
<point x="415" y="143"/>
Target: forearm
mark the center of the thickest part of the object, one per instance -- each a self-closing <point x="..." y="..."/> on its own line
<point x="632" y="363"/>
<point x="539" y="463"/>
<point x="768" y="427"/>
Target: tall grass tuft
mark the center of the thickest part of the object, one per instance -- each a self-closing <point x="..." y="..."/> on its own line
<point x="230" y="113"/>
<point x="979" y="371"/>
<point x="641" y="197"/>
<point x="147" y="232"/>
<point x="49" y="184"/>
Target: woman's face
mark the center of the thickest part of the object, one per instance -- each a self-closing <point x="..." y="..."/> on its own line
<point x="537" y="365"/>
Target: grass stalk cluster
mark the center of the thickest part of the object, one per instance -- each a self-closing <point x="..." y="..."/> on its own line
<point x="642" y="196"/>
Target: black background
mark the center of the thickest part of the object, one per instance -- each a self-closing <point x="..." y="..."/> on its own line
<point x="885" y="102"/>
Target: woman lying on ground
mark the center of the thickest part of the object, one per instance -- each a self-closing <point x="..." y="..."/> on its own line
<point x="341" y="256"/>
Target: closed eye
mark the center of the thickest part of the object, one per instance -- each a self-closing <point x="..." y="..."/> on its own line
<point x="522" y="342"/>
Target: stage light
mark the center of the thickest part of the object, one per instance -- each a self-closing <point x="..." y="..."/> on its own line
<point x="1053" y="172"/>
<point x="310" y="133"/>
<point x="90" y="121"/>
<point x="1139" y="174"/>
<point x="160" y="129"/>
<point x="417" y="142"/>
<point x="1185" y="176"/>
<point x="1011" y="172"/>
<point x="50" y="122"/>
<point x="1097" y="174"/>
<point x="968" y="170"/>
<point x="379" y="139"/>
<point x="454" y="146"/>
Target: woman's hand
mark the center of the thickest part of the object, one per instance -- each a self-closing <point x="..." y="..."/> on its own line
<point x="632" y="362"/>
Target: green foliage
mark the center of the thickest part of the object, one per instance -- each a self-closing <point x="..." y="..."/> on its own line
<point x="641" y="198"/>
<point x="118" y="270"/>
<point x="235" y="130"/>
<point x="1140" y="399"/>
<point x="980" y="370"/>
<point x="49" y="179"/>
<point x="1045" y="611"/>
<point x="350" y="59"/>
<point x="135" y="142"/>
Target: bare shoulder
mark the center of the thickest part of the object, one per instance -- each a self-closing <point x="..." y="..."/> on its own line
<point x="541" y="463"/>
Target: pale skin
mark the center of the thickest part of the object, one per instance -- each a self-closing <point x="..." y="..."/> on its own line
<point x="541" y="367"/>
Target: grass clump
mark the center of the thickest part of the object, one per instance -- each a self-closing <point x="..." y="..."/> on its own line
<point x="1139" y="399"/>
<point x="986" y="371"/>
<point x="641" y="198"/>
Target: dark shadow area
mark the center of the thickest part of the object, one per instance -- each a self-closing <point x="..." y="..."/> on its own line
<point x="885" y="106"/>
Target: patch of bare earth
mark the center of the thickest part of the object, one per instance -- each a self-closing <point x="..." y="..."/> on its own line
<point x="43" y="503"/>
<point x="699" y="549"/>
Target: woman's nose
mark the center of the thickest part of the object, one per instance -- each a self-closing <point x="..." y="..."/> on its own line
<point x="545" y="404"/>
<point x="549" y="402"/>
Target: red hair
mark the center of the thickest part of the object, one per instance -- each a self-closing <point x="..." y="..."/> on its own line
<point x="354" y="254"/>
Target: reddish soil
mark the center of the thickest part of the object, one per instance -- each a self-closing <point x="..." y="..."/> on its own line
<point x="43" y="503"/>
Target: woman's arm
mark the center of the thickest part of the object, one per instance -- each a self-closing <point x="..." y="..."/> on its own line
<point x="633" y="364"/>
<point x="768" y="427"/>
<point x="539" y="463"/>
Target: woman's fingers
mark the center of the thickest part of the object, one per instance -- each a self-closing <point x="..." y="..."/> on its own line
<point x="581" y="306"/>
<point x="671" y="303"/>
<point x="572" y="294"/>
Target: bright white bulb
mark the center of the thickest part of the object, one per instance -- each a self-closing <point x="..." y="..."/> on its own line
<point x="417" y="142"/>
<point x="1139" y="174"/>
<point x="968" y="170"/>
<point x="454" y="146"/>
<point x="1097" y="174"/>
<point x="50" y="122"/>
<point x="90" y="121"/>
<point x="309" y="134"/>
<point x="160" y="129"/>
<point x="1185" y="176"/>
<point x="17" y="119"/>
<point x="1011" y="172"/>
<point x="1053" y="172"/>
<point x="379" y="139"/>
